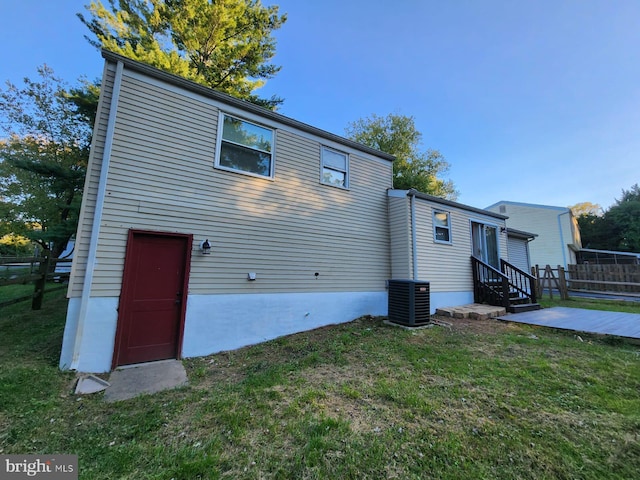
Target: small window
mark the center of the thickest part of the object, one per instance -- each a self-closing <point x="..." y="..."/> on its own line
<point x="245" y="147"/>
<point x="442" y="227"/>
<point x="335" y="168"/>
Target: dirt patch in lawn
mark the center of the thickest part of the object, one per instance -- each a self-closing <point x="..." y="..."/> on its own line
<point x="470" y="325"/>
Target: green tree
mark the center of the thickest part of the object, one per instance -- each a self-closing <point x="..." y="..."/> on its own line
<point x="624" y="215"/>
<point x="43" y="157"/>
<point x="617" y="228"/>
<point x="223" y="44"/>
<point x="13" y="245"/>
<point x="414" y="167"/>
<point x="595" y="231"/>
<point x="586" y="208"/>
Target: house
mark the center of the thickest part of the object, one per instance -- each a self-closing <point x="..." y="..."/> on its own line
<point x="558" y="235"/>
<point x="209" y="223"/>
<point x="433" y="239"/>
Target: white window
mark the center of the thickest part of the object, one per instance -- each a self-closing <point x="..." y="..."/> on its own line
<point x="441" y="226"/>
<point x="244" y="147"/>
<point x="335" y="168"/>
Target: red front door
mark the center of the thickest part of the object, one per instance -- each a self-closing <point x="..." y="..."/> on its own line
<point x="153" y="298"/>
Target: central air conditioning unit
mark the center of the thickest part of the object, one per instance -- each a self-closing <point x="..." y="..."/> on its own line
<point x="409" y="302"/>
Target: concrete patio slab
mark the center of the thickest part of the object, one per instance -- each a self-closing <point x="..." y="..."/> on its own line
<point x="131" y="381"/>
<point x="581" y="320"/>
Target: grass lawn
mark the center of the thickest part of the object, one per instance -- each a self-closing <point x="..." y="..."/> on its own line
<point x="11" y="292"/>
<point x="478" y="399"/>
<point x="10" y="271"/>
<point x="592" y="304"/>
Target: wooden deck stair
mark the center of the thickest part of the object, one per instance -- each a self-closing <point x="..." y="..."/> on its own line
<point x="508" y="287"/>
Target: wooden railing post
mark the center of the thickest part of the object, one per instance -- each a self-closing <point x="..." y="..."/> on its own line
<point x="562" y="283"/>
<point x="535" y="271"/>
<point x="38" y="291"/>
<point x="534" y="290"/>
<point x="506" y="301"/>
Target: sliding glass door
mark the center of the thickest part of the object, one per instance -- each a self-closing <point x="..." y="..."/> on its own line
<point x="485" y="243"/>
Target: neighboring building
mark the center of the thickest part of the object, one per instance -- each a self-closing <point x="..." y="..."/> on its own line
<point x="558" y="235"/>
<point x="433" y="239"/>
<point x="295" y="217"/>
<point x="67" y="254"/>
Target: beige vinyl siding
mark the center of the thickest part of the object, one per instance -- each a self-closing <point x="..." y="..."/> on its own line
<point x="400" y="233"/>
<point x="518" y="253"/>
<point x="83" y="234"/>
<point x="162" y="178"/>
<point x="547" y="247"/>
<point x="550" y="246"/>
<point x="448" y="266"/>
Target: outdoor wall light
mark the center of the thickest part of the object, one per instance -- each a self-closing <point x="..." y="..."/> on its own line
<point x="205" y="247"/>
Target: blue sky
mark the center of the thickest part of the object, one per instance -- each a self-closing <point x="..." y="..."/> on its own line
<point x="529" y="101"/>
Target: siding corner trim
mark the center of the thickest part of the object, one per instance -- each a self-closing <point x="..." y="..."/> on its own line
<point x="97" y="218"/>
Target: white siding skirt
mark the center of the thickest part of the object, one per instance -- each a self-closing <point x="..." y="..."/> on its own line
<point x="450" y="299"/>
<point x="216" y="323"/>
<point x="98" y="335"/>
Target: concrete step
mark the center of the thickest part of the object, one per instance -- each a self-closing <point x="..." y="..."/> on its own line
<point x="517" y="300"/>
<point x="524" y="307"/>
<point x="475" y="311"/>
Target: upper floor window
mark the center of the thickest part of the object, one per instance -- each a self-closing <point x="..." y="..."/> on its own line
<point x="335" y="168"/>
<point x="244" y="146"/>
<point x="441" y="226"/>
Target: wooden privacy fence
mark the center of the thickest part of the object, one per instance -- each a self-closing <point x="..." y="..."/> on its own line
<point x="613" y="279"/>
<point x="605" y="278"/>
<point x="36" y="270"/>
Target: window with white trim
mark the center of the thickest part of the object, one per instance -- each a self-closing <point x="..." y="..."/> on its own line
<point x="244" y="147"/>
<point x="335" y="168"/>
<point x="441" y="226"/>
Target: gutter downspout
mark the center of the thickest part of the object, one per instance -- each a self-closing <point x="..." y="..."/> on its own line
<point x="414" y="241"/>
<point x="564" y="247"/>
<point x="97" y="217"/>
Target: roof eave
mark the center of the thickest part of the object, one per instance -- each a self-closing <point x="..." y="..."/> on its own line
<point x="521" y="233"/>
<point x="450" y="203"/>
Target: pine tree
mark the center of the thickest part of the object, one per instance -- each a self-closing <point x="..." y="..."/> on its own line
<point x="223" y="44"/>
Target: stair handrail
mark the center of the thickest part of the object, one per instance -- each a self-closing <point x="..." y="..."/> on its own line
<point x="489" y="267"/>
<point x="520" y="280"/>
<point x="502" y="291"/>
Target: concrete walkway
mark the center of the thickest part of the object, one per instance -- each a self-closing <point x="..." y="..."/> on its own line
<point x="581" y="320"/>
<point x="131" y="381"/>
